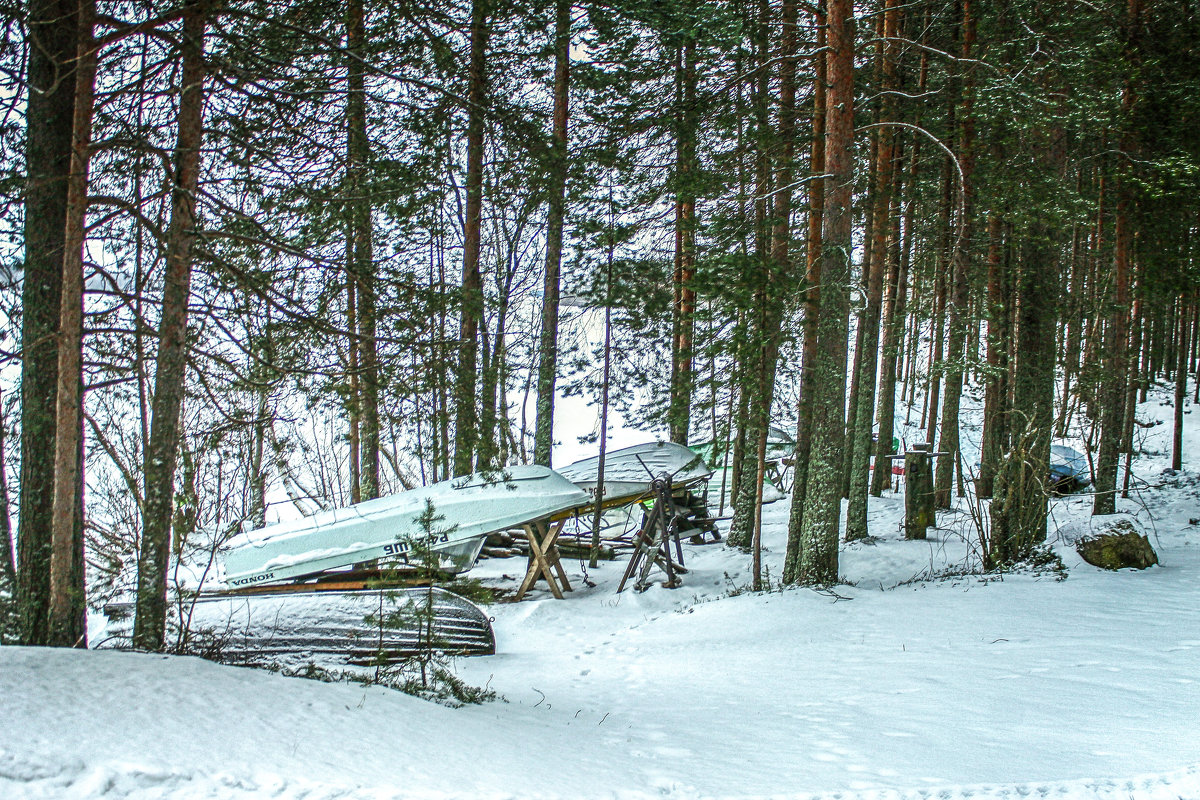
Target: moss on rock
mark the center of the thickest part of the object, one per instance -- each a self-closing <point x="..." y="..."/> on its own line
<point x="1122" y="546"/>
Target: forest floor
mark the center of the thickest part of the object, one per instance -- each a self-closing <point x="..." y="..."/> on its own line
<point x="911" y="679"/>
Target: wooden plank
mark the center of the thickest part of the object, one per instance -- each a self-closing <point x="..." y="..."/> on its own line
<point x="641" y="542"/>
<point x="324" y="585"/>
<point x="538" y="556"/>
<point x="550" y="548"/>
<point x="531" y="570"/>
<point x="544" y="559"/>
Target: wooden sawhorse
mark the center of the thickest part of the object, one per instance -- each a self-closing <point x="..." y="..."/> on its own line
<point x="544" y="560"/>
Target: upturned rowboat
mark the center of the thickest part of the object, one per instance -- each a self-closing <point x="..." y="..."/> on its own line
<point x="629" y="472"/>
<point x="449" y="520"/>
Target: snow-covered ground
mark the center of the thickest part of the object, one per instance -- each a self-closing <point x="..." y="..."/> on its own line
<point x="891" y="686"/>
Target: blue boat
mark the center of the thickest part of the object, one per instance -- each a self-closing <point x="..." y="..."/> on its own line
<point x="1069" y="469"/>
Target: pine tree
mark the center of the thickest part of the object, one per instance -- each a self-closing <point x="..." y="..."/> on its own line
<point x="162" y="449"/>
<point x="817" y="550"/>
<point x="556" y="212"/>
<point x="52" y="30"/>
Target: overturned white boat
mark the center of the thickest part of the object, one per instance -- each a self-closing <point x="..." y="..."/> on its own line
<point x="327" y="628"/>
<point x="449" y="520"/>
<point x="628" y="472"/>
<point x="720" y="487"/>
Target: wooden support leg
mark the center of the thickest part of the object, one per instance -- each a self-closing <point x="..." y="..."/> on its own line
<point x="531" y="571"/>
<point x="658" y="551"/>
<point x="541" y="540"/>
<point x="550" y="548"/>
<point x="667" y="565"/>
<point x="644" y="536"/>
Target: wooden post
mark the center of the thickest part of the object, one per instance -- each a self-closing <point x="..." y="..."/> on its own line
<point x="918" y="491"/>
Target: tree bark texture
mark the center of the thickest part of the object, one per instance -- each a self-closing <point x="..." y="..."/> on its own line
<point x="362" y="261"/>
<point x="941" y="281"/>
<point x="1181" y="375"/>
<point x="758" y="360"/>
<point x="868" y="360"/>
<point x="995" y="438"/>
<point x="353" y="375"/>
<point x="1112" y="392"/>
<point x="466" y="422"/>
<point x="149" y="627"/>
<point x="1018" y="510"/>
<point x="52" y="31"/>
<point x="766" y="324"/>
<point x="895" y="308"/>
<point x="543" y="437"/>
<point x="8" y="564"/>
<point x="683" y="377"/>
<point x="812" y="284"/>
<point x="67" y="618"/>
<point x="818" y="547"/>
<point x="959" y="298"/>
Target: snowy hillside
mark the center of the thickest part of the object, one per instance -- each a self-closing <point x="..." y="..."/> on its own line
<point x="891" y="686"/>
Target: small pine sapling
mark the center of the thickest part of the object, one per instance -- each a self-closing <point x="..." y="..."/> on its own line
<point x="424" y="669"/>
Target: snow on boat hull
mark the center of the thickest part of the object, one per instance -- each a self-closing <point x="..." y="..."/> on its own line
<point x="323" y="627"/>
<point x="465" y="511"/>
<point x="1068" y="469"/>
<point x="724" y="477"/>
<point x="780" y="446"/>
<point x="629" y="471"/>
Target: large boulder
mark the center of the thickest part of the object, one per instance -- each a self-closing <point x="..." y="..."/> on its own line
<point x="1118" y="546"/>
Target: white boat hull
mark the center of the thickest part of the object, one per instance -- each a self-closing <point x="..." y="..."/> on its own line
<point x="398" y="528"/>
<point x="629" y="472"/>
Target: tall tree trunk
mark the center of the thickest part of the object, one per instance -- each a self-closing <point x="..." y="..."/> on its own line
<point x="606" y="374"/>
<point x="355" y="121"/>
<point x="493" y="390"/>
<point x="1112" y="392"/>
<point x="867" y="263"/>
<point x="1019" y="509"/>
<point x="486" y="451"/>
<point x="767" y="321"/>
<point x="868" y="360"/>
<point x="959" y="303"/>
<point x="543" y="437"/>
<point x="361" y="264"/>
<point x="996" y="381"/>
<point x="735" y="436"/>
<point x="895" y="308"/>
<point x="940" y="283"/>
<point x="67" y="613"/>
<point x="8" y="564"/>
<point x="817" y="561"/>
<point x="1073" y="308"/>
<point x="1132" y="381"/>
<point x="757" y="362"/>
<point x="913" y="326"/>
<point x="1112" y="411"/>
<point x="682" y="358"/>
<point x="353" y="375"/>
<point x="52" y="31"/>
<point x="466" y="422"/>
<point x="257" y="512"/>
<point x="896" y="301"/>
<point x="1181" y="375"/>
<point x="149" y="624"/>
<point x="441" y="422"/>
<point x="812" y="284"/>
<point x="1195" y="367"/>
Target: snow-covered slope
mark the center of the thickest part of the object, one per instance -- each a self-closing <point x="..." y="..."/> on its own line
<point x="888" y="687"/>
